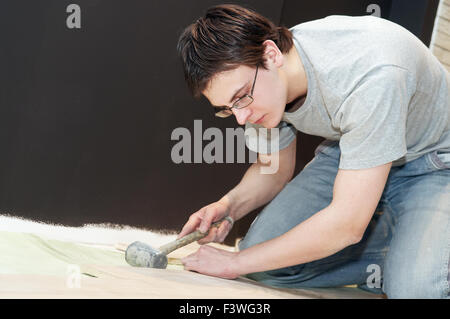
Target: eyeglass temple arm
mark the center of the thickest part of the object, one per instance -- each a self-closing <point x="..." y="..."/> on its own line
<point x="254" y="81"/>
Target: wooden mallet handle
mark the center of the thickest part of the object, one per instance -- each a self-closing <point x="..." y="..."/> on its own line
<point x="189" y="238"/>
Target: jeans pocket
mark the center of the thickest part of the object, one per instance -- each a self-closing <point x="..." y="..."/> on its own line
<point x="441" y="159"/>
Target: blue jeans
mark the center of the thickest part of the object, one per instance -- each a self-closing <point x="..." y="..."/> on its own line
<point x="407" y="242"/>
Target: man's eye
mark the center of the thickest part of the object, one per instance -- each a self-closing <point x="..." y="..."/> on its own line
<point x="238" y="98"/>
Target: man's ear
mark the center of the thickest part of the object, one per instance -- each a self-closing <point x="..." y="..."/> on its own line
<point x="272" y="54"/>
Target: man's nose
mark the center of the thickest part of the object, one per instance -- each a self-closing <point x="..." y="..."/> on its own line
<point x="242" y="115"/>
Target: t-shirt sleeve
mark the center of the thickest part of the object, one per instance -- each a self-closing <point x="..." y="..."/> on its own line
<point x="266" y="141"/>
<point x="372" y="119"/>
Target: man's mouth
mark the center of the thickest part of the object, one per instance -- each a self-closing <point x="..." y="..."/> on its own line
<point x="260" y="120"/>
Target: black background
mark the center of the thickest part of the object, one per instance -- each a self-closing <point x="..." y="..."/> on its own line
<point x="86" y="115"/>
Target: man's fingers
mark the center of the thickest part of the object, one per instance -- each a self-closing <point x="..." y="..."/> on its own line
<point x="190" y="226"/>
<point x="217" y="234"/>
<point x="186" y="230"/>
<point x="210" y="237"/>
<point x="207" y="219"/>
<point x="202" y="221"/>
<point x="189" y="261"/>
<point x="223" y="231"/>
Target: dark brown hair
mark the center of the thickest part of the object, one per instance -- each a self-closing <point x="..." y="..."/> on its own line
<point x="226" y="37"/>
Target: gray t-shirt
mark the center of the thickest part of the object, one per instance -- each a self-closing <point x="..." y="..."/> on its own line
<point x="373" y="86"/>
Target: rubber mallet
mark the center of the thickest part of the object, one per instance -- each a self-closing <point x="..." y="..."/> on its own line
<point x="139" y="254"/>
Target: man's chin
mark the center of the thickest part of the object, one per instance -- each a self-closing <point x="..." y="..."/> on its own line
<point x="270" y="123"/>
<point x="268" y="126"/>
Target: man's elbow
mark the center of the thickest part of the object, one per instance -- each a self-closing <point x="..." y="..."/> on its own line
<point x="355" y="232"/>
<point x="344" y="239"/>
<point x="351" y="220"/>
<point x="354" y="238"/>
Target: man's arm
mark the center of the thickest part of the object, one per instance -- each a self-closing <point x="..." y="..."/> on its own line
<point x="257" y="189"/>
<point x="356" y="194"/>
<point x="254" y="190"/>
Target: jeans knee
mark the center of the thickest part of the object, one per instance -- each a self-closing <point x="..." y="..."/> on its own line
<point x="244" y="243"/>
<point x="255" y="235"/>
<point x="415" y="286"/>
<point x="288" y="277"/>
<point x="401" y="291"/>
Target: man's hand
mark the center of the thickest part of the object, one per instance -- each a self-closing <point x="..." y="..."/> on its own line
<point x="212" y="262"/>
<point x="342" y="223"/>
<point x="203" y="218"/>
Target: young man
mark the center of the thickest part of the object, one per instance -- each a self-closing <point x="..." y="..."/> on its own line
<point x="375" y="200"/>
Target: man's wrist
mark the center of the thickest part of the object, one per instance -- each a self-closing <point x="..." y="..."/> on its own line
<point x="228" y="202"/>
<point x="236" y="265"/>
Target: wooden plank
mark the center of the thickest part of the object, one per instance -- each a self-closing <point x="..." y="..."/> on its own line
<point x="443" y="26"/>
<point x="441" y="54"/>
<point x="446" y="2"/>
<point x="441" y="45"/>
<point x="442" y="40"/>
<point x="444" y="11"/>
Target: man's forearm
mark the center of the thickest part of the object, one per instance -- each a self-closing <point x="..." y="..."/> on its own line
<point x="322" y="235"/>
<point x="342" y="223"/>
<point x="254" y="190"/>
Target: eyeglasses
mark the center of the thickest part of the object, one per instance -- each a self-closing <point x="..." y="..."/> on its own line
<point x="244" y="101"/>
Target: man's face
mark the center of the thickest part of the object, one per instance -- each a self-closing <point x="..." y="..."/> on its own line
<point x="269" y="94"/>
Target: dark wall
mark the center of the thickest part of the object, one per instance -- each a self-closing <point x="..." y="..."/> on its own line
<point x="86" y="115"/>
